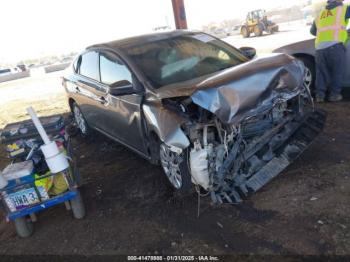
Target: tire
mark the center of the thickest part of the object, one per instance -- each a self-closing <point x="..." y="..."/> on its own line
<point x="78" y="207"/>
<point x="154" y="143"/>
<point x="245" y="32"/>
<point x="80" y="120"/>
<point x="24" y="227"/>
<point x="257" y="30"/>
<point x="310" y="74"/>
<point x="177" y="172"/>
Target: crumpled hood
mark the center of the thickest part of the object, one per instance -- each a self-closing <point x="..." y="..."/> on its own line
<point x="233" y="92"/>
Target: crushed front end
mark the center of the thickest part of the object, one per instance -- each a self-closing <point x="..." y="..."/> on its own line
<point x="233" y="161"/>
<point x="235" y="150"/>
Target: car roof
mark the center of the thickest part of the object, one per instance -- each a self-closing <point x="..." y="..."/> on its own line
<point x="142" y="39"/>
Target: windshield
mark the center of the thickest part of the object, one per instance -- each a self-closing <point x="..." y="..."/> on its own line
<point x="261" y="14"/>
<point x="183" y="58"/>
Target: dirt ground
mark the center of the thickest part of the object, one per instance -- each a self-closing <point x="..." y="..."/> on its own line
<point x="43" y="92"/>
<point x="130" y="209"/>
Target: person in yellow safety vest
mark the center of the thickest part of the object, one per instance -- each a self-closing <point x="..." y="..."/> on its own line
<point x="330" y="30"/>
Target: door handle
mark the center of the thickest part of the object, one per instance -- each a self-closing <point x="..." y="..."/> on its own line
<point x="103" y="100"/>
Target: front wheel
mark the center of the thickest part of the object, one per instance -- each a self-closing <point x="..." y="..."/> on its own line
<point x="176" y="168"/>
<point x="258" y="31"/>
<point x="310" y="73"/>
<point x="245" y="32"/>
<point x="24" y="227"/>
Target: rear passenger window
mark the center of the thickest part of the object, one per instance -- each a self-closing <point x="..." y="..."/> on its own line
<point x="89" y="65"/>
<point x="113" y="70"/>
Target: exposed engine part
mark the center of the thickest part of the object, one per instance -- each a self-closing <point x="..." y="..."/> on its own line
<point x="233" y="161"/>
<point x="199" y="165"/>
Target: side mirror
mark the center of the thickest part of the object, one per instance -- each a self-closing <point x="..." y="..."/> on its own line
<point x="249" y="52"/>
<point x="120" y="88"/>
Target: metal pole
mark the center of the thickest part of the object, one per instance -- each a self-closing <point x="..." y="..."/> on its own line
<point x="179" y="14"/>
<point x="38" y="125"/>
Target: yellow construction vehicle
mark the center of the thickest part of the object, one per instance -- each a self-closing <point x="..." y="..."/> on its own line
<point x="257" y="23"/>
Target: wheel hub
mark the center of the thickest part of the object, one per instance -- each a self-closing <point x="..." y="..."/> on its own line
<point x="171" y="165"/>
<point x="79" y="119"/>
<point x="307" y="78"/>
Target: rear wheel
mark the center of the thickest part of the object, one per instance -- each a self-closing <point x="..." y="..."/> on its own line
<point x="80" y="120"/>
<point x="245" y="32"/>
<point x="176" y="168"/>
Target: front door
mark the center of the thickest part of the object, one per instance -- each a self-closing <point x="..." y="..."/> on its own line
<point x="122" y="113"/>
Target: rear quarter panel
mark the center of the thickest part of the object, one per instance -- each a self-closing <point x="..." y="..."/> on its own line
<point x="307" y="48"/>
<point x="304" y="47"/>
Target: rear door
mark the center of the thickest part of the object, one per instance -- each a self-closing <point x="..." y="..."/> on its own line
<point x="89" y="90"/>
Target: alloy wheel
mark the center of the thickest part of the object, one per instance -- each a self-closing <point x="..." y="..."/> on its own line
<point x="79" y="119"/>
<point x="171" y="165"/>
<point x="308" y="78"/>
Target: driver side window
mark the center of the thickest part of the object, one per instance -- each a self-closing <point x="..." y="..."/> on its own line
<point x="113" y="70"/>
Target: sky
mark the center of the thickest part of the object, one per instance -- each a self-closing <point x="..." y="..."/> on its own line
<point x="34" y="28"/>
<point x="201" y="12"/>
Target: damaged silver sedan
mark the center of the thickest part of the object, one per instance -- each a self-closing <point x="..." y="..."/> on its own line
<point x="210" y="114"/>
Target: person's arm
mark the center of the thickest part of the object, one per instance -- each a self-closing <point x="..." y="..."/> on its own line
<point x="347" y="15"/>
<point x="313" y="29"/>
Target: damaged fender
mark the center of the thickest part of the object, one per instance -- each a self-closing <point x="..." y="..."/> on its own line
<point x="169" y="132"/>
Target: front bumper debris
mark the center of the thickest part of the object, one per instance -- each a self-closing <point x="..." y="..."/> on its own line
<point x="268" y="157"/>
